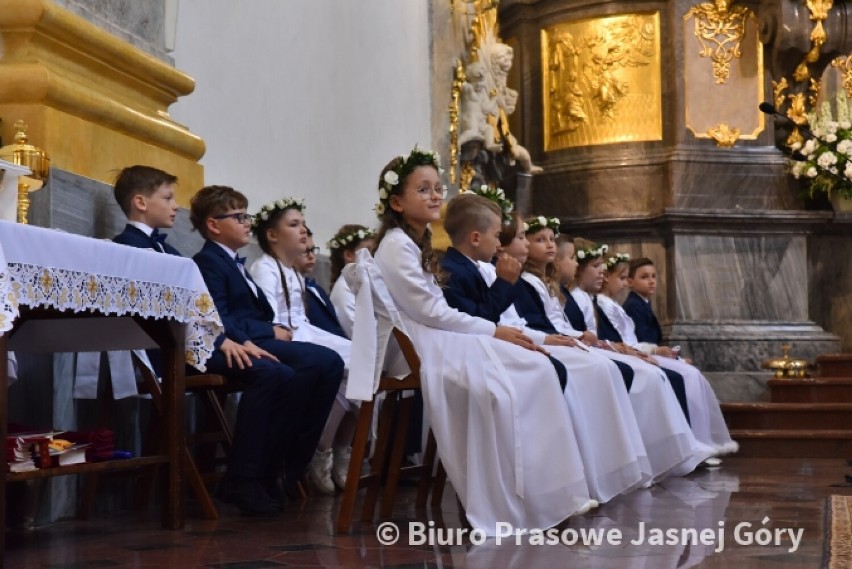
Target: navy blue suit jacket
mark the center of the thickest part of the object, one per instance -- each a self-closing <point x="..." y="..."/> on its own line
<point x="530" y="307"/>
<point x="606" y="330"/>
<point x="467" y="291"/>
<point x="572" y="311"/>
<point x="246" y="316"/>
<point x="321" y="315"/>
<point x="647" y="327"/>
<point x="135" y="237"/>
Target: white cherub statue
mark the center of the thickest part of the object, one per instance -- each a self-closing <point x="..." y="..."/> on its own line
<point x="476" y="107"/>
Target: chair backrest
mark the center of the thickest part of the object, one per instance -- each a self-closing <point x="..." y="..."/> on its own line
<point x="375" y="341"/>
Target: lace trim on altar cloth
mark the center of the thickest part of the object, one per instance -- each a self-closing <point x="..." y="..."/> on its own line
<point x="8" y="303"/>
<point x="65" y="289"/>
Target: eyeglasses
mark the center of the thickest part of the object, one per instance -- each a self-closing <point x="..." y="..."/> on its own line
<point x="241" y="217"/>
<point x="311" y="251"/>
<point x="426" y="193"/>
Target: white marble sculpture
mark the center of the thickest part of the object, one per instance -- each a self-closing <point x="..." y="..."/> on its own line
<point x="476" y="108"/>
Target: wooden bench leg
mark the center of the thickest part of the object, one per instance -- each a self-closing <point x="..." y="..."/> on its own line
<point x="353" y="478"/>
<point x="438" y="486"/>
<point x="196" y="482"/>
<point x="379" y="460"/>
<point x="426" y="476"/>
<point x="396" y="458"/>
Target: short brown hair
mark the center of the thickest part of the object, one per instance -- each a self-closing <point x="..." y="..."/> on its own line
<point x="636" y="264"/>
<point x="213" y="200"/>
<point x="509" y="230"/>
<point x="136" y="180"/>
<point x="469" y="212"/>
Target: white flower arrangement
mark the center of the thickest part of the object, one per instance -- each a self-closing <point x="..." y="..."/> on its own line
<point x="536" y="224"/>
<point x="613" y="261"/>
<point x="589" y="254"/>
<point x="407" y="163"/>
<point x="498" y="196"/>
<point x="268" y="210"/>
<point x="345" y="239"/>
<point x="824" y="162"/>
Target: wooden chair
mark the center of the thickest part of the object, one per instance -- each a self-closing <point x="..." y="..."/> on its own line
<point x="382" y="465"/>
<point x="212" y="390"/>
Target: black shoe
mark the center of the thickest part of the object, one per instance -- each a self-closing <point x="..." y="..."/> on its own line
<point x="252" y="500"/>
<point x="225" y="490"/>
<point x="292" y="490"/>
<point x="273" y="489"/>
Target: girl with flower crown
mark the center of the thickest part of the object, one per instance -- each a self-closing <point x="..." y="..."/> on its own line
<point x="281" y="233"/>
<point x="665" y="432"/>
<point x="346" y="242"/>
<point x="708" y="424"/>
<point x="504" y="433"/>
<point x="613" y="453"/>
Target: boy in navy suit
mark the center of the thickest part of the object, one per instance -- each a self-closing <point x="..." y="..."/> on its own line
<point x="474" y="225"/>
<point x="281" y="416"/>
<point x="147" y="197"/>
<point x="318" y="306"/>
<point x="642" y="280"/>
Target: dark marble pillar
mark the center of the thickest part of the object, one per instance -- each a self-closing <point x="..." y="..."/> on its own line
<point x="744" y="263"/>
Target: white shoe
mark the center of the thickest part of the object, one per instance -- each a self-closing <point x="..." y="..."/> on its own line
<point x="340" y="465"/>
<point x="712" y="462"/>
<point x="319" y="471"/>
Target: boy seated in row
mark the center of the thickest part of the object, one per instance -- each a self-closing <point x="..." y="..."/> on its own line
<point x="290" y="386"/>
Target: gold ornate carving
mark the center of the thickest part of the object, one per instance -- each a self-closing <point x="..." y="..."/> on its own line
<point x="724" y="135"/>
<point x="455" y="105"/>
<point x="814" y="89"/>
<point x="720" y="29"/>
<point x="467" y="174"/>
<point x="599" y="70"/>
<point x="844" y="65"/>
<point x="798" y="114"/>
<point x="819" y="13"/>
<point x="778" y="88"/>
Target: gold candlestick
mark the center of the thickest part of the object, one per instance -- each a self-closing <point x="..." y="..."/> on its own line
<point x="31" y="157"/>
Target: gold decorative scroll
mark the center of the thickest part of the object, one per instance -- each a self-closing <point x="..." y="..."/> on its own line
<point x="724" y="135"/>
<point x="719" y="28"/>
<point x="819" y="13"/>
<point x="714" y="108"/>
<point x="602" y="81"/>
<point x="843" y="64"/>
<point x="455" y="105"/>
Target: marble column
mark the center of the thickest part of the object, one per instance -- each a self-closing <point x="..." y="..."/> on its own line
<point x="744" y="264"/>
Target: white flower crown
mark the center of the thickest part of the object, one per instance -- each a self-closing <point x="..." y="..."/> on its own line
<point x="498" y="196"/>
<point x="407" y="162"/>
<point x="588" y="254"/>
<point x="618" y="258"/>
<point x="536" y="224"/>
<point x="267" y="210"/>
<point x="343" y="239"/>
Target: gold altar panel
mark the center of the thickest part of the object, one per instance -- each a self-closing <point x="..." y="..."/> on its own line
<point x="602" y="81"/>
<point x="727" y="100"/>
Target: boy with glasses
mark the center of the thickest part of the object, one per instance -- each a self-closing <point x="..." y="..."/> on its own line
<point x="285" y="406"/>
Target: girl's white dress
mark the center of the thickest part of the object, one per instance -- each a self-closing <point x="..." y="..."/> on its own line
<point x="668" y="440"/>
<point x="610" y="442"/>
<point x="343" y="300"/>
<point x="504" y="434"/>
<point x="266" y="274"/>
<point x="708" y="424"/>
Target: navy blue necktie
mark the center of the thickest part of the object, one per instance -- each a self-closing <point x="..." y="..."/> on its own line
<point x="240" y="260"/>
<point x="158" y="239"/>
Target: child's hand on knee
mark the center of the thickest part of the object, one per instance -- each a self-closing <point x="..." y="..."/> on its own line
<point x="514" y="336"/>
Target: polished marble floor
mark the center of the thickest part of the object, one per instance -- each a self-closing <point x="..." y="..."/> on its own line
<point x="734" y="500"/>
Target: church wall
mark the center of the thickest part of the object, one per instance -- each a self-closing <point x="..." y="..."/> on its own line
<point x="306" y="98"/>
